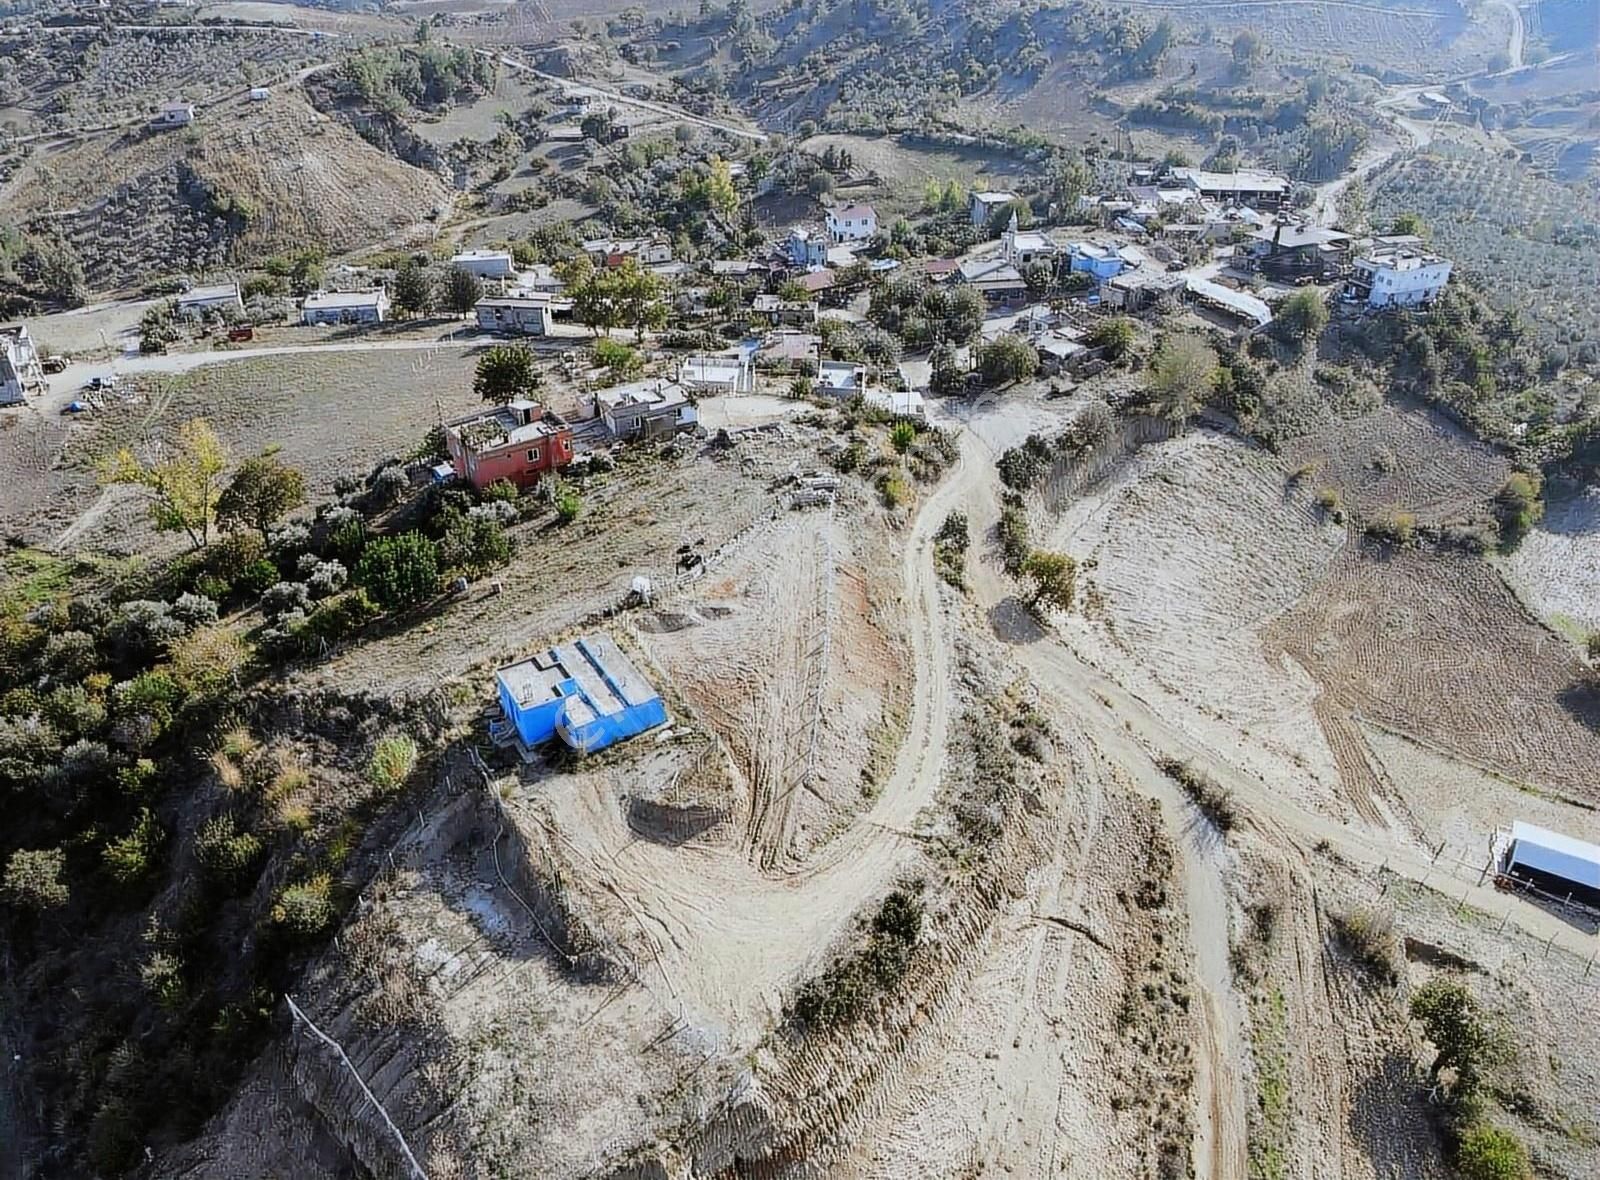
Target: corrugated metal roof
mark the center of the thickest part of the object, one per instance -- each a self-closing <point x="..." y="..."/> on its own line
<point x="1551" y="852"/>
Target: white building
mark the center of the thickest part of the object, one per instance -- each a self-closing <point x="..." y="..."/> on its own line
<point x="174" y="114"/>
<point x="841" y="378"/>
<point x="723" y="373"/>
<point x="197" y="301"/>
<point x="852" y="223"/>
<point x="1022" y="248"/>
<point x="517" y="315"/>
<point x="486" y="264"/>
<point x="259" y="94"/>
<point x="345" y="307"/>
<point x="1398" y="276"/>
<point x="20" y="369"/>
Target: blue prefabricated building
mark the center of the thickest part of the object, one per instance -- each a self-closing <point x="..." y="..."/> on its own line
<point x="587" y="693"/>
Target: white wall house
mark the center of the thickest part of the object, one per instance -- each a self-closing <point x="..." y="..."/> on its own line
<point x="174" y="114"/>
<point x="852" y="223"/>
<point x="19" y="364"/>
<point x="345" y="307"/>
<point x="197" y="301"/>
<point x="486" y="264"/>
<point x="514" y="315"/>
<point x="1399" y="277"/>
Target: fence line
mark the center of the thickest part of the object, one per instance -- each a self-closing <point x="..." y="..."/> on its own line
<point x="294" y="1009"/>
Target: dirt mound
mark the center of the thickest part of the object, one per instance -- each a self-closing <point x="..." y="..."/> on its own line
<point x="1437" y="646"/>
<point x="245" y="181"/>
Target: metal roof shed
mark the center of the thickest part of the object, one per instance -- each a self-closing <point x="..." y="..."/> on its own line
<point x="1555" y="863"/>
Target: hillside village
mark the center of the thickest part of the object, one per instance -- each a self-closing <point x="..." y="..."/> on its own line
<point x="882" y="590"/>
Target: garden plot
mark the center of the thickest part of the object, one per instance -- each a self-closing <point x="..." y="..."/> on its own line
<point x="1185" y="557"/>
<point x="1438" y="647"/>
<point x="1417" y="460"/>
<point x="1556" y="567"/>
<point x="480" y="120"/>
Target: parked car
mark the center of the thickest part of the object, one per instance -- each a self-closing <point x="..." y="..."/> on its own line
<point x="245" y="333"/>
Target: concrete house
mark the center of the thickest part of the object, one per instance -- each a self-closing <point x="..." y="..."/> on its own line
<point x="805" y="247"/>
<point x="724" y="373"/>
<point x="1099" y="262"/>
<point x="513" y="315"/>
<point x="1298" y="251"/>
<point x="172" y="115"/>
<point x="588" y="693"/>
<point x="199" y="301"/>
<point x="842" y="379"/>
<point x="486" y="264"/>
<point x="518" y="441"/>
<point x="1397" y="276"/>
<point x="259" y="94"/>
<point x="345" y="307"/>
<point x="985" y="205"/>
<point x="852" y="223"/>
<point x="654" y="408"/>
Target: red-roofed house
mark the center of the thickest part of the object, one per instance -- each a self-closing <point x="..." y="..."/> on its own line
<point x="852" y="223"/>
<point x="816" y="281"/>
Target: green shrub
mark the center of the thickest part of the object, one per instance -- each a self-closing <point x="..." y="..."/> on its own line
<point x="501" y="490"/>
<point x="568" y="504"/>
<point x="257" y="578"/>
<point x="33" y="881"/>
<point x="226" y="854"/>
<point x="133" y="859"/>
<point x="844" y="989"/>
<point x="393" y="759"/>
<point x="1395" y="527"/>
<point x="399" y="571"/>
<point x="1015" y="541"/>
<point x="305" y="909"/>
<point x="902" y="436"/>
<point x="1488" y="1153"/>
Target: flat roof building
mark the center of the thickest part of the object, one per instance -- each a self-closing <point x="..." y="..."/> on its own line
<point x="486" y="264"/>
<point x="588" y="693"/>
<point x="346" y="307"/>
<point x="655" y="408"/>
<point x="518" y="441"/>
<point x="516" y="315"/>
<point x="196" y="301"/>
<point x="1397" y="276"/>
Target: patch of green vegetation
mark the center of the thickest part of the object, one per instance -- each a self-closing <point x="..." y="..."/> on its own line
<point x="842" y="993"/>
<point x="1270" y="1121"/>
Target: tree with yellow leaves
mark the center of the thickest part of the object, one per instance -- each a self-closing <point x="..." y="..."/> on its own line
<point x="184" y="481"/>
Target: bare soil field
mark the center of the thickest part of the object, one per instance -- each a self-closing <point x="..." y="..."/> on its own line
<point x="1179" y="584"/>
<point x="1437" y="646"/>
<point x="812" y="709"/>
<point x="1556" y="567"/>
<point x="1394" y="457"/>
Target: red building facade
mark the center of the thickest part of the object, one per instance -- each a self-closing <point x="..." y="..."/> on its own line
<point x="520" y="442"/>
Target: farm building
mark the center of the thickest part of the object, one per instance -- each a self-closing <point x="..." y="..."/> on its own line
<point x="1298" y="251"/>
<point x="517" y="315"/>
<point x="518" y="441"/>
<point x="20" y="368"/>
<point x="486" y="264"/>
<point x="345" y="307"/>
<point x="197" y="301"/>
<point x="1557" y="864"/>
<point x="646" y="409"/>
<point x="588" y="693"/>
